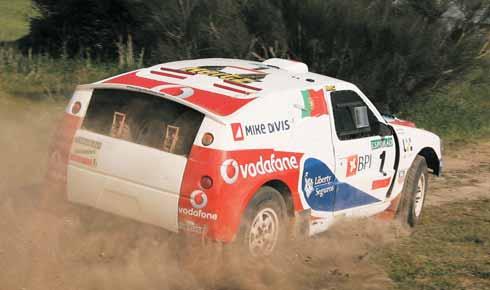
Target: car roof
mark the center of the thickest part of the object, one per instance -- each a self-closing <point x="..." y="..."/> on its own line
<point x="223" y="86"/>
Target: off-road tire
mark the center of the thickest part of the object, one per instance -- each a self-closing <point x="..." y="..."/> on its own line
<point x="410" y="210"/>
<point x="267" y="206"/>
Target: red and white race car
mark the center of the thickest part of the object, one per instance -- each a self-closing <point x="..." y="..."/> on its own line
<point x="237" y="150"/>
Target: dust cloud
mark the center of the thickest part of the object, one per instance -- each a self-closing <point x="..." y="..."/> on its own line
<point x="47" y="243"/>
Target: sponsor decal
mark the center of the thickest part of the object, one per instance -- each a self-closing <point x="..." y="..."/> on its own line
<point x="382" y="143"/>
<point x="176" y="91"/>
<point x="381" y="183"/>
<point x="199" y="200"/>
<point x="231" y="169"/>
<point x="191" y="227"/>
<point x="314" y="103"/>
<point x="356" y="163"/>
<point x="216" y="103"/>
<point x="324" y="192"/>
<point x="87" y="142"/>
<point x="318" y="185"/>
<point x="88" y="161"/>
<point x="199" y="213"/>
<point x="85" y="151"/>
<point x="351" y="166"/>
<point x="216" y="72"/>
<point x="239" y="133"/>
<point x="407" y="144"/>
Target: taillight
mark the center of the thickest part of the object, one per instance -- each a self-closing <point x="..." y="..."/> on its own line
<point x="206" y="182"/>
<point x="75" y="109"/>
<point x="207" y="139"/>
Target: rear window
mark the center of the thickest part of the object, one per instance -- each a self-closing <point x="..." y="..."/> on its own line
<point x="143" y="119"/>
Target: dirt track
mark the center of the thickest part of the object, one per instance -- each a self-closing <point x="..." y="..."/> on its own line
<point x="60" y="246"/>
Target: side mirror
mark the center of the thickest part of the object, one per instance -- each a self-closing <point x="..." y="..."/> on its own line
<point x="384" y="130"/>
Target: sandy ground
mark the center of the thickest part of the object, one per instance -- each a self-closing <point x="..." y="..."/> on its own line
<point x="62" y="246"/>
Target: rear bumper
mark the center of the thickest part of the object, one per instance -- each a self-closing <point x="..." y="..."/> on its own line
<point x="123" y="198"/>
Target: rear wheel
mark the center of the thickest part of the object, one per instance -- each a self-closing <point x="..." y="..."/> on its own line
<point x="414" y="193"/>
<point x="264" y="225"/>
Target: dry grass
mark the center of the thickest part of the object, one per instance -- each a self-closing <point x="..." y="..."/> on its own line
<point x="14" y="15"/>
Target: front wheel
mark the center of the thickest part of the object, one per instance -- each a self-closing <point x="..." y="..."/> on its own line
<point x="264" y="225"/>
<point x="414" y="193"/>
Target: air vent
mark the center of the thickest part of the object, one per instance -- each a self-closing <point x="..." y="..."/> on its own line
<point x="286" y="64"/>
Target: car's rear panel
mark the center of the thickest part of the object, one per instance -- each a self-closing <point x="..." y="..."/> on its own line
<point x="130" y="153"/>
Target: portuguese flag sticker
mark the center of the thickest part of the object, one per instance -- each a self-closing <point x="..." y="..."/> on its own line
<point x="314" y="102"/>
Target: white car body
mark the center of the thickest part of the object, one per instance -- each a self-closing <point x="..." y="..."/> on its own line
<point x="273" y="124"/>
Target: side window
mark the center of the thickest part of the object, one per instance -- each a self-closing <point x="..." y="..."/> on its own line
<point x="353" y="118"/>
<point x="143" y="119"/>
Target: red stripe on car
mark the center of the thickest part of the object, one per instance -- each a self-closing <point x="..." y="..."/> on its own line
<point x="403" y="123"/>
<point x="82" y="160"/>
<point x="381" y="183"/>
<point x="168" y="75"/>
<point x="242" y="85"/>
<point x="231" y="89"/>
<point x="135" y="80"/>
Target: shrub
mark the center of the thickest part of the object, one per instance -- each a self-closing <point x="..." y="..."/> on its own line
<point x="389" y="48"/>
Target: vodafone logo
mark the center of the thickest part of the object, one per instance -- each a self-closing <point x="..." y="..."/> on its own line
<point x="175" y="91"/>
<point x="198" y="199"/>
<point x="230" y="169"/>
<point x="237" y="131"/>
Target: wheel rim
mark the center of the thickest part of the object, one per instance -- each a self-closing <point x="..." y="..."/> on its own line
<point x="263" y="232"/>
<point x="419" y="196"/>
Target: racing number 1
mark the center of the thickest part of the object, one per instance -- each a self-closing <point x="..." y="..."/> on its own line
<point x="382" y="157"/>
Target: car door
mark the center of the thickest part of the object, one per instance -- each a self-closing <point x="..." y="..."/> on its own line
<point x="364" y="159"/>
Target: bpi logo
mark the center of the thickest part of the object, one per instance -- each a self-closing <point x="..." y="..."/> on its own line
<point x="237" y="131"/>
<point x="357" y="163"/>
<point x="199" y="199"/>
<point x="351" y="165"/>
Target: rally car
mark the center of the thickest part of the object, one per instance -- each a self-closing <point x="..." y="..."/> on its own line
<point x="240" y="151"/>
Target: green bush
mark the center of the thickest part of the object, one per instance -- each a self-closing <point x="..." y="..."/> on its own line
<point x="389" y="48"/>
<point x="41" y="77"/>
<point x="457" y="109"/>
